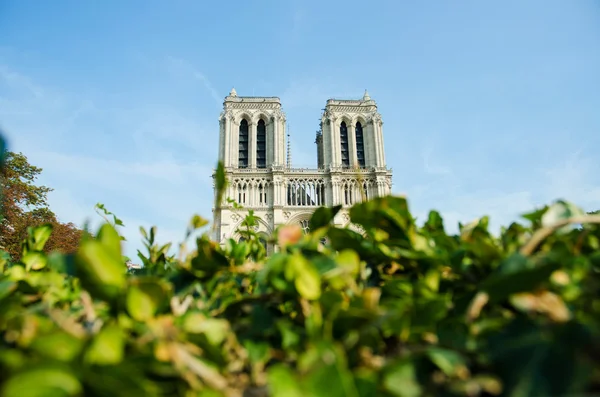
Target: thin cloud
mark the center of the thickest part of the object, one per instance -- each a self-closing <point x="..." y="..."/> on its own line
<point x="17" y="80"/>
<point x="185" y="68"/>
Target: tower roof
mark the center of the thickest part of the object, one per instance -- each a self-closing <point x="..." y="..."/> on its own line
<point x="234" y="97"/>
<point x="364" y="102"/>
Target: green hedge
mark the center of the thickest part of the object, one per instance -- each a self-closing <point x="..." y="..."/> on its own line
<point x="402" y="310"/>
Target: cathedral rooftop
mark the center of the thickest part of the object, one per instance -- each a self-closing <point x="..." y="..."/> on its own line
<point x="364" y="101"/>
<point x="233" y="97"/>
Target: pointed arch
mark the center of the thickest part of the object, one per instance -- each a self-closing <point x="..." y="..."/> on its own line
<point x="244" y="141"/>
<point x="344" y="144"/>
<point x="261" y="144"/>
<point x="360" y="144"/>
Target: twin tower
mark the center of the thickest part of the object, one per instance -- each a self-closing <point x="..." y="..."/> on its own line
<point x="252" y="146"/>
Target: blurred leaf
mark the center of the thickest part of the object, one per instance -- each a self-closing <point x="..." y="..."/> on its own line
<point x="323" y="216"/>
<point x="101" y="271"/>
<point x="282" y="382"/>
<point x="108" y="347"/>
<point x="144" y="297"/>
<point x="42" y="381"/>
<point x="306" y="277"/>
<point x="58" y="345"/>
<point x="448" y="361"/>
<point x="34" y="260"/>
<point x="400" y="380"/>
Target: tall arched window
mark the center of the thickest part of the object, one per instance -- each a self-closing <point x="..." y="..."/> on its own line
<point x="344" y="144"/>
<point x="360" y="145"/>
<point x="243" y="136"/>
<point x="261" y="142"/>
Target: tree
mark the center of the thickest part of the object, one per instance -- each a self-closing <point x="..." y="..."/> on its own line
<point x="24" y="204"/>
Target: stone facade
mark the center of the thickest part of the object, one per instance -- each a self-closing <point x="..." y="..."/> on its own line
<point x="252" y="147"/>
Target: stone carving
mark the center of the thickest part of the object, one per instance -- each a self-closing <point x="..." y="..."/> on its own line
<point x="269" y="217"/>
<point x="236" y="218"/>
<point x="252" y="105"/>
<point x="286" y="215"/>
<point x="345" y="217"/>
<point x="376" y="118"/>
<point x="353" y="109"/>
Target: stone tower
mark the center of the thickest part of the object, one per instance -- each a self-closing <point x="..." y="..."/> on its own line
<point x="252" y="147"/>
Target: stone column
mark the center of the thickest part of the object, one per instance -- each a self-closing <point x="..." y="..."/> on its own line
<point x="352" y="146"/>
<point x="233" y="150"/>
<point x="275" y="148"/>
<point x="252" y="146"/>
<point x="226" y="141"/>
<point x="326" y="146"/>
<point x="377" y="144"/>
<point x="335" y="147"/>
<point x="380" y="130"/>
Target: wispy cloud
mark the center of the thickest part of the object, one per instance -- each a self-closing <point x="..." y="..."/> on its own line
<point x="158" y="174"/>
<point x="19" y="82"/>
<point x="185" y="68"/>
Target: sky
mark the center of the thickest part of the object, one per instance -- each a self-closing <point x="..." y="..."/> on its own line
<point x="489" y="107"/>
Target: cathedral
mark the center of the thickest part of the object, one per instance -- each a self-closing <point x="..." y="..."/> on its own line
<point x="252" y="147"/>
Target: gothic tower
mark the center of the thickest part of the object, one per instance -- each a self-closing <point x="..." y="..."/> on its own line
<point x="352" y="134"/>
<point x="252" y="132"/>
<point x="252" y="147"/>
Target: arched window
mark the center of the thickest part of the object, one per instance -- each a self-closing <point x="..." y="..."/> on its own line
<point x="243" y="136"/>
<point x="360" y="145"/>
<point x="261" y="144"/>
<point x="344" y="144"/>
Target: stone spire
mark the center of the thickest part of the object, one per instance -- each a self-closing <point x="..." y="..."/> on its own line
<point x="366" y="97"/>
<point x="233" y="92"/>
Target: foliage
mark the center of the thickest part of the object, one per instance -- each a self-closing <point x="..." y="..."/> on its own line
<point x="403" y="310"/>
<point x="24" y="205"/>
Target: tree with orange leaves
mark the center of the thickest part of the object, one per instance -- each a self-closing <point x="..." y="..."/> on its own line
<point x="24" y="204"/>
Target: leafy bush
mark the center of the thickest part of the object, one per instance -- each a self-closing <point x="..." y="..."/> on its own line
<point x="402" y="310"/>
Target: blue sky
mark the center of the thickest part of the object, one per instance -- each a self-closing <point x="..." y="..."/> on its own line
<point x="489" y="107"/>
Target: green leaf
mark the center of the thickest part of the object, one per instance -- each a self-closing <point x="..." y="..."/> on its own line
<point x="517" y="273"/>
<point x="40" y="235"/>
<point x="145" y="297"/>
<point x="34" y="260"/>
<point x="400" y="380"/>
<point x="42" y="382"/>
<point x="329" y="375"/>
<point x="258" y="352"/>
<point x="214" y="329"/>
<point x="7" y="287"/>
<point x="306" y="277"/>
<point x="101" y="272"/>
<point x="220" y="184"/>
<point x="560" y="211"/>
<point x="197" y="222"/>
<point x="323" y="216"/>
<point x="109" y="237"/>
<point x="58" y="345"/>
<point x="282" y="382"/>
<point x="447" y="360"/>
<point x="108" y="347"/>
<point x="349" y="261"/>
